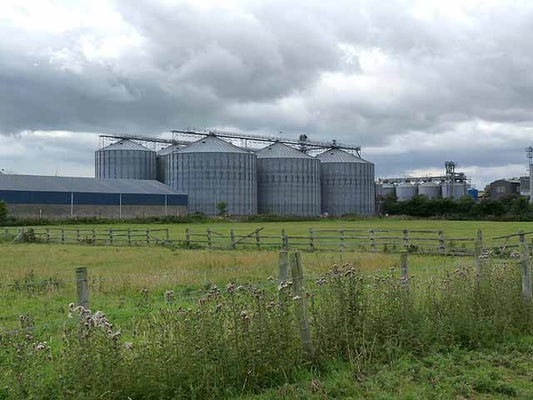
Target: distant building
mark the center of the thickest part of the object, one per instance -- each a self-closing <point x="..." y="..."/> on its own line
<point x="53" y="197"/>
<point x="503" y="188"/>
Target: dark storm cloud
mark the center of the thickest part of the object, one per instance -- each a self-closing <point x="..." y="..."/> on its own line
<point x="382" y="75"/>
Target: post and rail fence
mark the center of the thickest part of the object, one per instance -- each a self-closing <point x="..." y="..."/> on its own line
<point x="419" y="241"/>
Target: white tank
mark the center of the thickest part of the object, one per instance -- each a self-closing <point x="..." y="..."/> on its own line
<point x="454" y="190"/>
<point x="406" y="191"/>
<point x="431" y="190"/>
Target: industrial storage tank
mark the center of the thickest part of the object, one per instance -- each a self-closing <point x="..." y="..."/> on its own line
<point x="125" y="160"/>
<point x="164" y="164"/>
<point x="454" y="190"/>
<point x="384" y="190"/>
<point x="431" y="190"/>
<point x="388" y="189"/>
<point x="406" y="191"/>
<point x="288" y="181"/>
<point x="212" y="171"/>
<point x="347" y="183"/>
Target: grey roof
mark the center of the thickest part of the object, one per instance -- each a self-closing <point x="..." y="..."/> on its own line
<point x="211" y="144"/>
<point x="168" y="150"/>
<point x="339" y="156"/>
<point x="125" y="144"/>
<point x="280" y="150"/>
<point x="40" y="183"/>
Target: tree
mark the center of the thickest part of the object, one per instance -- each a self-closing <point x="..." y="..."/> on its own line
<point x="222" y="207"/>
<point x="3" y="213"/>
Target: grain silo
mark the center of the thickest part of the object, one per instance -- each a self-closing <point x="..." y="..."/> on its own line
<point x="432" y="190"/>
<point x="347" y="183"/>
<point x="454" y="190"/>
<point x="388" y="189"/>
<point x="406" y="191"/>
<point x="125" y="160"/>
<point x="212" y="171"/>
<point x="164" y="164"/>
<point x="288" y="181"/>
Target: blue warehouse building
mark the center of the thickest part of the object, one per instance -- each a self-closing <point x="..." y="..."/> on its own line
<point x="52" y="197"/>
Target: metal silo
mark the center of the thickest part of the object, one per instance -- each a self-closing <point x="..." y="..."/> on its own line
<point x="388" y="189"/>
<point x="431" y="190"/>
<point x="164" y="163"/>
<point x="347" y="183"/>
<point x="454" y="190"/>
<point x="211" y="171"/>
<point x="406" y="191"/>
<point x="125" y="160"/>
<point x="288" y="181"/>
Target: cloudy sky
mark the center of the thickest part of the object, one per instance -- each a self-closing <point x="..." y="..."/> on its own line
<point x="415" y="83"/>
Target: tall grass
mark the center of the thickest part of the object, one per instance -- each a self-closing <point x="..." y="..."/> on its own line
<point x="244" y="338"/>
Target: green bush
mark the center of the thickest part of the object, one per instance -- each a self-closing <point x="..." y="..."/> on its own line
<point x="509" y="208"/>
<point x="3" y="213"/>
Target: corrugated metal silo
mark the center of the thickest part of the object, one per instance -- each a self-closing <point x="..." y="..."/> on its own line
<point x="125" y="160"/>
<point x="347" y="183"/>
<point x="431" y="190"/>
<point x="288" y="181"/>
<point x="454" y="190"/>
<point x="211" y="171"/>
<point x="406" y="191"/>
<point x="164" y="164"/>
<point x="388" y="190"/>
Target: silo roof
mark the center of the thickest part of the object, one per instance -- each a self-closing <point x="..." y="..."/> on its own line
<point x="280" y="150"/>
<point x="39" y="183"/>
<point x="339" y="156"/>
<point x="211" y="144"/>
<point x="125" y="144"/>
<point x="168" y="150"/>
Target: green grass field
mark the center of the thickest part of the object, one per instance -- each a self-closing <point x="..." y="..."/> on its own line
<point x="37" y="280"/>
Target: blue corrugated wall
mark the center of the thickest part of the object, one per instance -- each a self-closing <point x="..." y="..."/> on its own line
<point x="80" y="198"/>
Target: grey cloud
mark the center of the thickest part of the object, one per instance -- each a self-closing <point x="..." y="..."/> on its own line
<point x="271" y="66"/>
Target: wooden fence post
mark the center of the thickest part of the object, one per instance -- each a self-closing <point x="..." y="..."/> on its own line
<point x="78" y="234"/>
<point x="258" y="239"/>
<point x="167" y="234"/>
<point x="442" y="245"/>
<point x="283" y="266"/>
<point x="478" y="250"/>
<point x="311" y="239"/>
<point x="232" y="238"/>
<point x="300" y="307"/>
<point x="94" y="236"/>
<point x="284" y="240"/>
<point x="526" y="271"/>
<point x="147" y="235"/>
<point x="406" y="239"/>
<point x="82" y="286"/>
<point x="372" y="241"/>
<point x="129" y="236"/>
<point x="209" y="238"/>
<point x="188" y="237"/>
<point x="63" y="235"/>
<point x="110" y="235"/>
<point x="404" y="269"/>
<point x="341" y="241"/>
